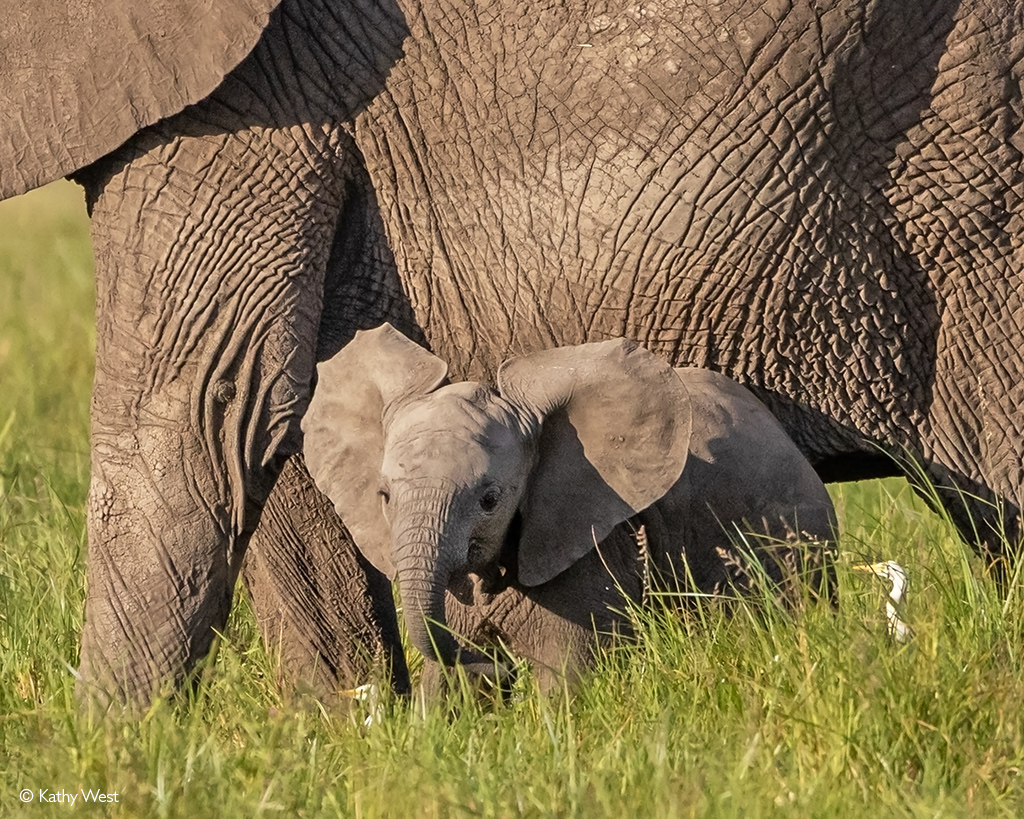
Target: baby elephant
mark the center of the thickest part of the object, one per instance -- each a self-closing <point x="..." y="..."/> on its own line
<point x="487" y="504"/>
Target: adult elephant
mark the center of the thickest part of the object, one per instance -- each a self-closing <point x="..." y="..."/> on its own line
<point x="822" y="200"/>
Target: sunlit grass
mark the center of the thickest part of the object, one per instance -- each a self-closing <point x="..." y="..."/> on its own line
<point x="818" y="715"/>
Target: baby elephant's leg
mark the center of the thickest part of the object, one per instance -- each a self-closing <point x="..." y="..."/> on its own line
<point x="557" y="627"/>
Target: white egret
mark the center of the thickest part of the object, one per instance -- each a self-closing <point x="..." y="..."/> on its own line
<point x="892" y="571"/>
<point x="369" y="695"/>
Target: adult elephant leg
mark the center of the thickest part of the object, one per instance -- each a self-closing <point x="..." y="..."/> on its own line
<point x="211" y="239"/>
<point x="327" y="611"/>
<point x="320" y="604"/>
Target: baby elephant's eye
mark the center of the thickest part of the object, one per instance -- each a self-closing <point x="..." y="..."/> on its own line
<point x="385" y="495"/>
<point x="489" y="501"/>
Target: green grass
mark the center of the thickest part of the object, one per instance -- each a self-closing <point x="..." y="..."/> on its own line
<point x="815" y="716"/>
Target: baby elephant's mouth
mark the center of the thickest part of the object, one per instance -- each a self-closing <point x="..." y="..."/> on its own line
<point x="478" y="587"/>
<point x="479" y="581"/>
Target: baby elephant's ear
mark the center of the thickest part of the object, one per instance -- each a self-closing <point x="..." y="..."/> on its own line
<point x="344" y="426"/>
<point x="615" y="431"/>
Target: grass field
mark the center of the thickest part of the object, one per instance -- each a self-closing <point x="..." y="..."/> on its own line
<point x="815" y="716"/>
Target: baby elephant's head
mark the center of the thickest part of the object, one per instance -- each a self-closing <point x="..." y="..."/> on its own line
<point x="444" y="486"/>
<point x="455" y="464"/>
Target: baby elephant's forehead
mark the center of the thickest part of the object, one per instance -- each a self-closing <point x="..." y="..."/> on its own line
<point x="464" y="419"/>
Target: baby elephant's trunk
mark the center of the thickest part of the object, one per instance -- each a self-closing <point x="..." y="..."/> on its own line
<point x="424" y="567"/>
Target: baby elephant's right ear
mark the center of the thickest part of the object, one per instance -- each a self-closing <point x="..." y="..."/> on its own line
<point x="344" y="426"/>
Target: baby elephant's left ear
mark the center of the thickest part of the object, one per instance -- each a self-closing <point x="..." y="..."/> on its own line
<point x="615" y="426"/>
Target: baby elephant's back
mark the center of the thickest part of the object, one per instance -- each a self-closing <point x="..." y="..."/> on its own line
<point x="744" y="481"/>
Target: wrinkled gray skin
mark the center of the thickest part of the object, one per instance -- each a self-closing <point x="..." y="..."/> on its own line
<point x="821" y="200"/>
<point x="462" y="488"/>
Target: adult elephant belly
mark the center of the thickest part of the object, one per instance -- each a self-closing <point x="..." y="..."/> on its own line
<point x="731" y="188"/>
